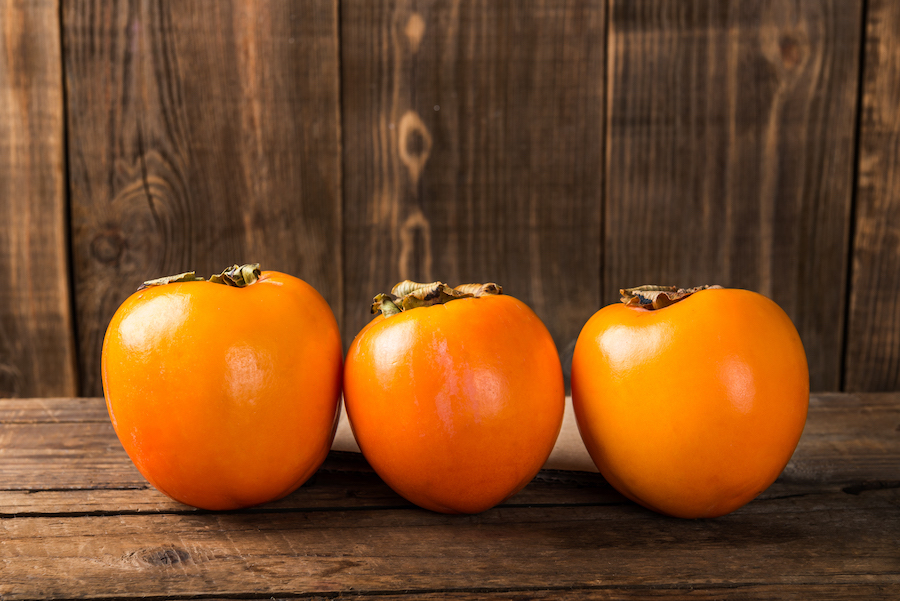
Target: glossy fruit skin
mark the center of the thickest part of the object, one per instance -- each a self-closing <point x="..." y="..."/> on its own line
<point x="694" y="409"/>
<point x="224" y="397"/>
<point x="456" y="406"/>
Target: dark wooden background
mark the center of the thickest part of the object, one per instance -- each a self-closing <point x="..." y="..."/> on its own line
<point x="562" y="148"/>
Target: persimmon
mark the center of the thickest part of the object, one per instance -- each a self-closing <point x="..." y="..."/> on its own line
<point x="690" y="402"/>
<point x="224" y="393"/>
<point x="455" y="396"/>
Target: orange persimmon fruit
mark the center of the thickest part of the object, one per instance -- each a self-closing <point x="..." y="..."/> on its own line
<point x="224" y="393"/>
<point x="690" y="402"/>
<point x="455" y="396"/>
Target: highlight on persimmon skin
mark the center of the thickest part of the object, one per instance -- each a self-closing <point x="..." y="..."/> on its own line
<point x="224" y="393"/>
<point x="690" y="402"/>
<point x="455" y="395"/>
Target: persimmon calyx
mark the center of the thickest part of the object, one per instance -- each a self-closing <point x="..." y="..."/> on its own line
<point x="409" y="295"/>
<point x="651" y="297"/>
<point x="237" y="276"/>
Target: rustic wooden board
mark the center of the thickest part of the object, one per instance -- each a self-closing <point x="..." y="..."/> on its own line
<point x="743" y="592"/>
<point x="838" y="540"/>
<point x="341" y="483"/>
<point x="61" y="456"/>
<point x="850" y="443"/>
<point x="344" y="533"/>
<point x="473" y="140"/>
<point x="52" y="410"/>
<point x="37" y="347"/>
<point x="850" y="440"/>
<point x="731" y="149"/>
<point x="201" y="134"/>
<point x="873" y="334"/>
<point x="761" y="591"/>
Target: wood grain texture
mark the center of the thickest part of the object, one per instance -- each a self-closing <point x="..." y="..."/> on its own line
<point x="345" y="535"/>
<point x="201" y="134"/>
<point x="873" y="333"/>
<point x="731" y="147"/>
<point x="80" y="410"/>
<point x="835" y="540"/>
<point x="52" y="445"/>
<point x="62" y="456"/>
<point x="37" y="347"/>
<point x="849" y="440"/>
<point x="718" y="592"/>
<point x="472" y="150"/>
<point x="341" y="483"/>
<point x="827" y="592"/>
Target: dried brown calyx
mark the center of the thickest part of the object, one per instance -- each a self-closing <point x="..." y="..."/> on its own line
<point x="237" y="276"/>
<point x="652" y="297"/>
<point x="409" y="295"/>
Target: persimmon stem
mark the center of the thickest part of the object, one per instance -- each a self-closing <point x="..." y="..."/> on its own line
<point x="237" y="276"/>
<point x="410" y="295"/>
<point x="652" y="297"/>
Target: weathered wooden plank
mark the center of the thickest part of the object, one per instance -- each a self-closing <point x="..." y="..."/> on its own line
<point x="339" y="484"/>
<point x="345" y="532"/>
<point x="838" y="540"/>
<point x="201" y="134"/>
<point x="54" y="463"/>
<point x="674" y="591"/>
<point x="52" y="410"/>
<point x="731" y="146"/>
<point x="64" y="455"/>
<point x="744" y="592"/>
<point x="473" y="135"/>
<point x="873" y="334"/>
<point x="37" y="346"/>
<point x="61" y="456"/>
<point x="849" y="438"/>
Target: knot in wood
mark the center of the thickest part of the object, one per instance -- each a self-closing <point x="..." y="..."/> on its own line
<point x="163" y="556"/>
<point x="791" y="51"/>
<point x="107" y="247"/>
<point x="414" y="141"/>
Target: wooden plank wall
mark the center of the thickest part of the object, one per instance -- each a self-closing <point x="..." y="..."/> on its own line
<point x="37" y="343"/>
<point x="873" y="341"/>
<point x="564" y="149"/>
<point x="200" y="134"/>
<point x="471" y="155"/>
<point x="735" y="167"/>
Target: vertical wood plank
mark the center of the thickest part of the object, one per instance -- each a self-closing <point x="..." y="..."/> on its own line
<point x="873" y="333"/>
<point x="37" y="351"/>
<point x="201" y="134"/>
<point x="731" y="128"/>
<point x="473" y="138"/>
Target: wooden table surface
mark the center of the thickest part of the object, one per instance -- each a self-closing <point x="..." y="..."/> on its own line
<point x="78" y="521"/>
